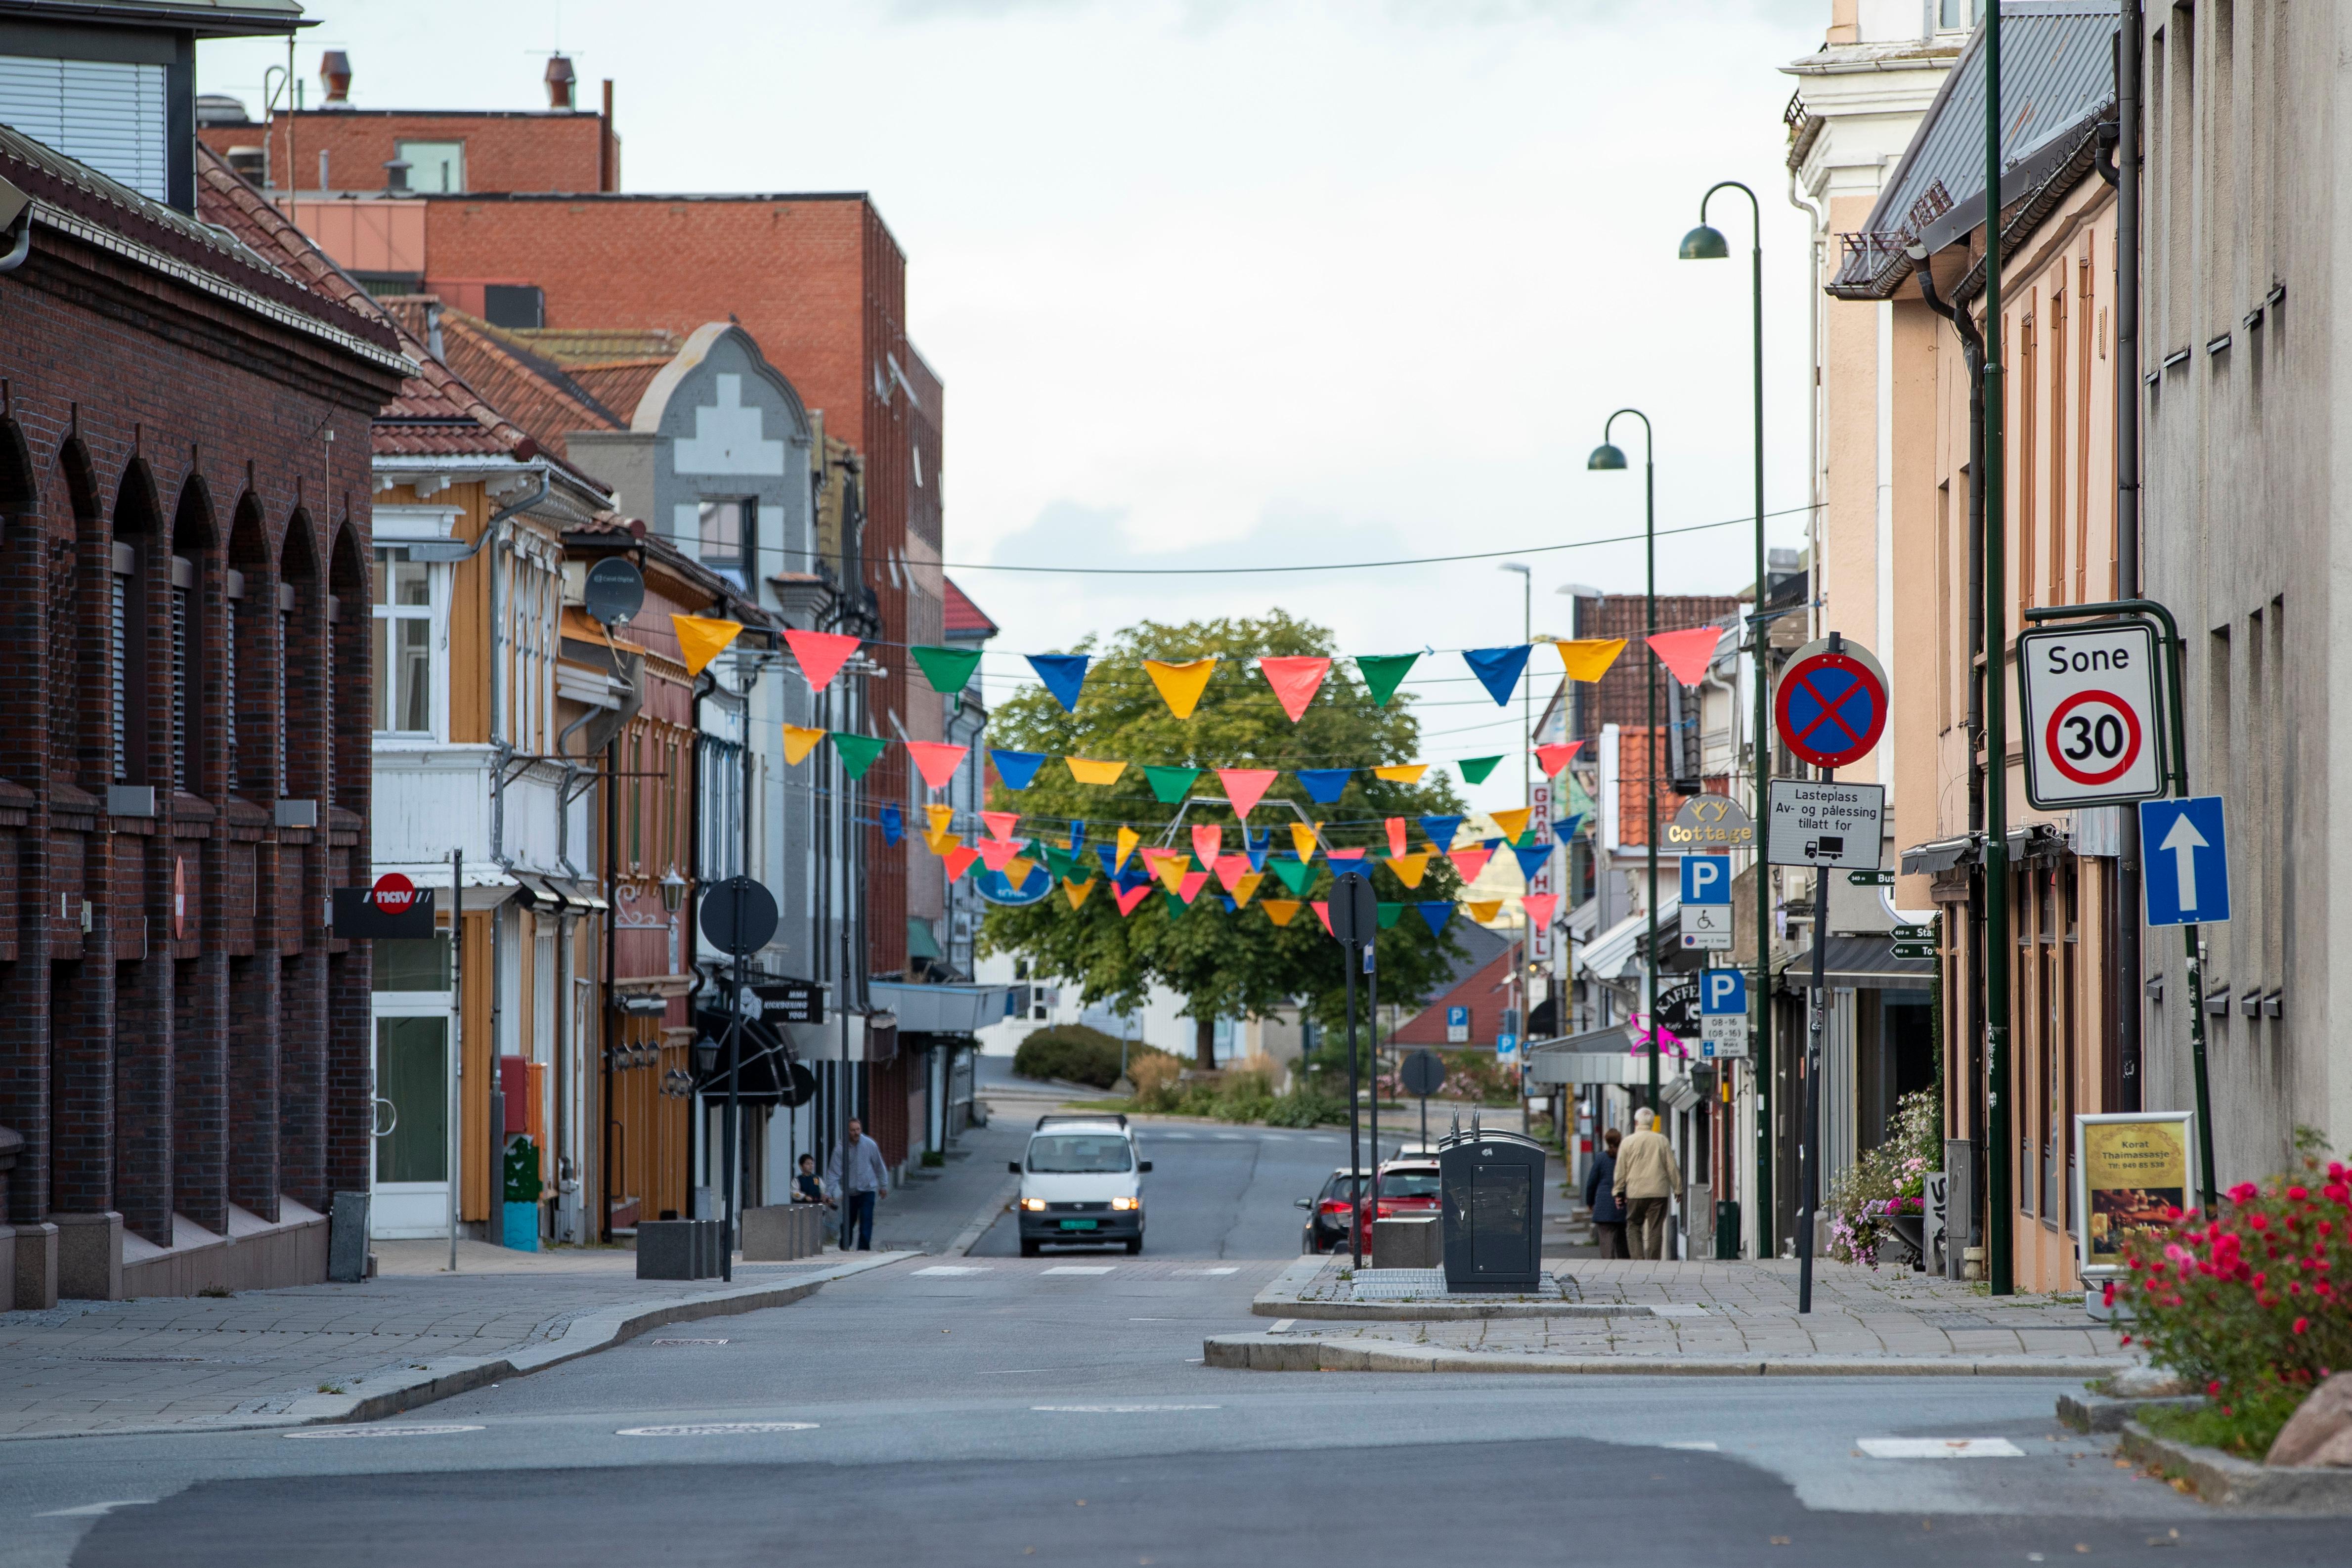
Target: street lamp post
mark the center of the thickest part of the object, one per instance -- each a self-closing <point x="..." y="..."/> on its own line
<point x="1607" y="457"/>
<point x="1706" y="243"/>
<point x="1526" y="798"/>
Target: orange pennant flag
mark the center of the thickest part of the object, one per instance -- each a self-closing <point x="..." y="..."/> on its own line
<point x="1169" y="869"/>
<point x="1280" y="910"/>
<point x="799" y="743"/>
<point x="1409" y="868"/>
<point x="1302" y="838"/>
<point x="1016" y="872"/>
<point x="1589" y="659"/>
<point x="1484" y="910"/>
<point x="1181" y="684"/>
<point x="941" y="841"/>
<point x="1088" y="771"/>
<point x="1512" y="823"/>
<point x="940" y="816"/>
<point x="1077" y="892"/>
<point x="1127" y="839"/>
<point x="1402" y="773"/>
<point x="701" y="638"/>
<point x="1247" y="888"/>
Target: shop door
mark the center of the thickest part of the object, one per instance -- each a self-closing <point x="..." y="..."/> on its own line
<point x="412" y="1127"/>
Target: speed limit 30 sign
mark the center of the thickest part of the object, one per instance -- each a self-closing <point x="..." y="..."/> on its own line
<point x="2090" y="709"/>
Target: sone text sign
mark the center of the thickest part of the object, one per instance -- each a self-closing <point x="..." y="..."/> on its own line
<point x="2088" y="698"/>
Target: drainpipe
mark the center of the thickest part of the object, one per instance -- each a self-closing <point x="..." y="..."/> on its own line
<point x="21" y="250"/>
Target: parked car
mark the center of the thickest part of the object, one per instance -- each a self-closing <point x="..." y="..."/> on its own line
<point x="1406" y="1187"/>
<point x="1327" y="1212"/>
<point x="1081" y="1183"/>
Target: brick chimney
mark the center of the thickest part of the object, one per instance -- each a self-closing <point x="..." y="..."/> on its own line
<point x="558" y="82"/>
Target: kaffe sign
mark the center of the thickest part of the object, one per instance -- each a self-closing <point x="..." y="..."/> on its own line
<point x="2133" y="1174"/>
<point x="2088" y="700"/>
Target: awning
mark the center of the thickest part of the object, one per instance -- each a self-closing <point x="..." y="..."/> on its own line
<point x="941" y="1009"/>
<point x="1613" y="954"/>
<point x="922" y="942"/>
<point x="1942" y="854"/>
<point x="1597" y="1056"/>
<point x="1863" y="963"/>
<point x="2033" y="841"/>
<point x="766" y="1064"/>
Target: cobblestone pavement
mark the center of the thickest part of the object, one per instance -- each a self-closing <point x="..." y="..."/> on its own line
<point x="327" y="1352"/>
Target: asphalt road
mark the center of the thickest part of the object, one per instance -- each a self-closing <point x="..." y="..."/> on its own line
<point x="996" y="1409"/>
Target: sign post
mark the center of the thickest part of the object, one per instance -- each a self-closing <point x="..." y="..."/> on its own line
<point x="739" y="916"/>
<point x="1355" y="921"/>
<point x="2133" y="1173"/>
<point x="1422" y="1074"/>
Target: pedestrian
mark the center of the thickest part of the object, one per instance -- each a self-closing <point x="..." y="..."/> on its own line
<point x="1644" y="1183"/>
<point x="1601" y="1197"/>
<point x="868" y="1180"/>
<point x="805" y="1186"/>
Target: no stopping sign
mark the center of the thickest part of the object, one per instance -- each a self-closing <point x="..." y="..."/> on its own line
<point x="2089" y="696"/>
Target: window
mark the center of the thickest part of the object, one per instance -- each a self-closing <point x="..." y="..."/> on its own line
<point x="438" y="167"/>
<point x="183" y="580"/>
<point x="121" y="584"/>
<point x="724" y="526"/>
<point x="420" y="963"/>
<point x="228" y="706"/>
<point x="285" y="678"/>
<point x="403" y="644"/>
<point x="113" y="116"/>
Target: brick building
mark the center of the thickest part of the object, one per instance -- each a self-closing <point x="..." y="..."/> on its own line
<point x="183" y="741"/>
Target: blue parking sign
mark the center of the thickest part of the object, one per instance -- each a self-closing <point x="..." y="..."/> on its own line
<point x="1723" y="994"/>
<point x="2186" y="861"/>
<point x="1707" y="879"/>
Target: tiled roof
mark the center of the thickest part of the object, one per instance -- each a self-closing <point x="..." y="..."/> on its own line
<point x="619" y="384"/>
<point x="534" y="391"/>
<point x="573" y="346"/>
<point x="964" y="618"/>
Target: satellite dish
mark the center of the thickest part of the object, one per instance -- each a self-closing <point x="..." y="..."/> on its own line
<point x="615" y="591"/>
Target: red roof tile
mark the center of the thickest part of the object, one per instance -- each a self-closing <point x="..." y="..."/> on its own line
<point x="964" y="618"/>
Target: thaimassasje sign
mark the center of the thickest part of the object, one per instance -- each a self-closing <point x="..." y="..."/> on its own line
<point x="2132" y="1175"/>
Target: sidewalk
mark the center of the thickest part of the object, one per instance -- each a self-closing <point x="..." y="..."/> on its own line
<point x="352" y="1353"/>
<point x="932" y="1209"/>
<point x="1705" y="1318"/>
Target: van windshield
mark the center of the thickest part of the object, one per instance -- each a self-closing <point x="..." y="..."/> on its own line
<point x="1079" y="1153"/>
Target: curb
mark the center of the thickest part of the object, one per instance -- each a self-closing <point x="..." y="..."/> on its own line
<point x="968" y="1236"/>
<point x="2102" y="1413"/>
<point x="2227" y="1481"/>
<point x="1271" y="1353"/>
<point x="1280" y="1298"/>
<point x="583" y="1336"/>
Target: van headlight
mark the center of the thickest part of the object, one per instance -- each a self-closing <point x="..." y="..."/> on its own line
<point x="1126" y="1203"/>
<point x="1034" y="1206"/>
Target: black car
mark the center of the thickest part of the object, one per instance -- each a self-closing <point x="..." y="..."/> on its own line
<point x="1327" y="1212"/>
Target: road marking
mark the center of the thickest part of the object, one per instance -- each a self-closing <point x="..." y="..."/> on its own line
<point x="1231" y="1137"/>
<point x="1081" y="1269"/>
<point x="950" y="1269"/>
<point x="96" y="1509"/>
<point x="1017" y="1371"/>
<point x="1679" y="1310"/>
<point x="1940" y="1447"/>
<point x="415" y="1431"/>
<point x="715" y="1428"/>
<point x="1282" y="1325"/>
<point x="686" y="1341"/>
<point x="1234" y="1271"/>
<point x="1693" y="1448"/>
<point x="1174" y="1137"/>
<point x="1117" y="1409"/>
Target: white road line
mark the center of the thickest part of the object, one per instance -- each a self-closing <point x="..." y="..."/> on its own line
<point x="420" y="1431"/>
<point x="1197" y="1271"/>
<point x="1231" y="1137"/>
<point x="1693" y="1448"/>
<point x="1081" y="1269"/>
<point x="96" y="1509"/>
<point x="1940" y="1447"/>
<point x="1117" y="1409"/>
<point x="1282" y="1325"/>
<point x="950" y="1269"/>
<point x="715" y="1428"/>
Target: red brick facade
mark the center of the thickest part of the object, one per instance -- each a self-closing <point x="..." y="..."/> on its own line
<point x="545" y="150"/>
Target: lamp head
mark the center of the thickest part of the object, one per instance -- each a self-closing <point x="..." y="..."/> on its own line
<point x="672" y="891"/>
<point x="1605" y="457"/>
<point x="1704" y="243"/>
<point x="706" y="1056"/>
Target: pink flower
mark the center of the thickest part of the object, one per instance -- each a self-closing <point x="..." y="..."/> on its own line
<point x="2298" y="1193"/>
<point x="2244" y="1192"/>
<point x="2301" y="1324"/>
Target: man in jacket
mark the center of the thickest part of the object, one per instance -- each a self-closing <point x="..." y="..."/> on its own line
<point x="1645" y="1183"/>
<point x="1601" y="1197"/>
<point x="866" y="1180"/>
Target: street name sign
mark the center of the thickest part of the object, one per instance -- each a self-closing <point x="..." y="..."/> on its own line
<point x="2088" y="702"/>
<point x="2185" y="854"/>
<point x="1722" y="1013"/>
<point x="1710" y="822"/>
<point x="1706" y="902"/>
<point x="1830" y="704"/>
<point x="1809" y="822"/>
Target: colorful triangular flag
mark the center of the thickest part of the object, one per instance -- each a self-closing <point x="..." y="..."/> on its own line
<point x="1280" y="910"/>
<point x="1402" y="773"/>
<point x="1410" y="869"/>
<point x="938" y="816"/>
<point x="1383" y="672"/>
<point x="1063" y="675"/>
<point x="893" y="823"/>
<point x="1513" y="821"/>
<point x="1589" y="659"/>
<point x="1484" y="910"/>
<point x="1088" y="771"/>
<point x="1323" y="912"/>
<point x="1207" y="842"/>
<point x="799" y="743"/>
<point x="1294" y="679"/>
<point x="949" y="669"/>
<point x="1565" y="828"/>
<point x="1247" y="888"/>
<point x="1302" y="839"/>
<point x="958" y="861"/>
<point x="1169" y="784"/>
<point x="1181" y="684"/>
<point x="1532" y="858"/>
<point x="1540" y="907"/>
<point x="997" y="853"/>
<point x="821" y="654"/>
<point x="1554" y="757"/>
<point x="1441" y="830"/>
<point x="1323" y="785"/>
<point x="1077" y="892"/>
<point x="1231" y="869"/>
<point x="1127" y="839"/>
<point x="701" y="638"/>
<point x="1474" y="770"/>
<point x="1470" y="861"/>
<point x="1169" y="869"/>
<point x="1001" y="824"/>
<point x="1498" y="669"/>
<point x="1294" y="874"/>
<point x="1017" y="770"/>
<point x="1434" y="913"/>
<point x="1244" y="788"/>
<point x="1388" y="914"/>
<point x="1128" y="897"/>
<point x="1687" y="653"/>
<point x="937" y="760"/>
<point x="857" y="751"/>
<point x="1189" y="888"/>
<point x="1395" y="826"/>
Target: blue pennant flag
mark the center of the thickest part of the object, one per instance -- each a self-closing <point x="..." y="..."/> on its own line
<point x="1229" y="906"/>
<point x="1063" y="673"/>
<point x="1323" y="785"/>
<point x="1110" y="857"/>
<point x="1440" y="829"/>
<point x="1498" y="669"/>
<point x="1257" y="846"/>
<point x="1491" y="844"/>
<point x="1017" y="769"/>
<point x="1565" y="828"/>
<point x="1436" y="913"/>
<point x="893" y="823"/>
<point x="1532" y="858"/>
<point x="1077" y="836"/>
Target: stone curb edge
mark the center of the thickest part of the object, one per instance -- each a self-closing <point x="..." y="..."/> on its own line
<point x="1272" y="1353"/>
<point x="968" y="1236"/>
<point x="2227" y="1481"/>
<point x="583" y="1336"/>
<point x="2088" y="1412"/>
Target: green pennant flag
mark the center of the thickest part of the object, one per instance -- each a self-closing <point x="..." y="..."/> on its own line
<point x="1526" y="840"/>
<point x="1476" y="769"/>
<point x="1383" y="672"/>
<point x="857" y="751"/>
<point x="1295" y="873"/>
<point x="949" y="669"/>
<point x="1176" y="906"/>
<point x="1170" y="785"/>
<point x="1389" y="914"/>
<point x="1061" y="862"/>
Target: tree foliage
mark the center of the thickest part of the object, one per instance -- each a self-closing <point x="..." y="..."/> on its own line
<point x="1224" y="964"/>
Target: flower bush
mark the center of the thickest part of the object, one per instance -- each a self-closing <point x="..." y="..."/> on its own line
<point x="2254" y="1300"/>
<point x="1889" y="1180"/>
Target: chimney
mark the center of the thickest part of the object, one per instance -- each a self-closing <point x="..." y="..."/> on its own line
<point x="335" y="76"/>
<point x="558" y="82"/>
<point x="396" y="176"/>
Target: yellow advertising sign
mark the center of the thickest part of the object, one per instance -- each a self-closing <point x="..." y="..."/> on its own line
<point x="2135" y="1175"/>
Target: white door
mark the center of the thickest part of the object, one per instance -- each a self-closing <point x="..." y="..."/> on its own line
<point x="412" y="1120"/>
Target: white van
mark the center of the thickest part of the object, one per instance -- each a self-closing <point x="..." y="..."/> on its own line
<point x="1081" y="1183"/>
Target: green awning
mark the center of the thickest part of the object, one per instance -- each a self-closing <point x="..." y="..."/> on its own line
<point x="922" y="942"/>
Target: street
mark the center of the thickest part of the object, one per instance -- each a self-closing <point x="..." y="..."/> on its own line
<point x="993" y="1409"/>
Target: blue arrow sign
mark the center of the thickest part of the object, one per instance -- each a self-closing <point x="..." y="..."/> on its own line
<point x="1707" y="879"/>
<point x="2187" y="858"/>
<point x="1723" y="994"/>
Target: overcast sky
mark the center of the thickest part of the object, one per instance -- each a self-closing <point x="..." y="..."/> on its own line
<point x="1242" y="284"/>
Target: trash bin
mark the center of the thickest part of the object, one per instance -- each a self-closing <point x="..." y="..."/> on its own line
<point x="1726" y="1227"/>
<point x="1493" y="1211"/>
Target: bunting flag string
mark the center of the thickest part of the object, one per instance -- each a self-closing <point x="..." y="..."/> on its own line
<point x="1016" y="770"/>
<point x="937" y="760"/>
<point x="821" y="654"/>
<point x="1383" y="673"/>
<point x="857" y="752"/>
<point x="1244" y="788"/>
<point x="1554" y="757"/>
<point x="1062" y="675"/>
<point x="1089" y="772"/>
<point x="1686" y="654"/>
<point x="1587" y="659"/>
<point x="1498" y="669"/>
<point x="949" y="669"/>
<point x="1294" y="679"/>
<point x="701" y="639"/>
<point x="799" y="743"/>
<point x="1181" y="684"/>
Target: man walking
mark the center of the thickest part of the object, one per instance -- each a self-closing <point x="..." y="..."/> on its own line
<point x="866" y="1180"/>
<point x="1645" y="1185"/>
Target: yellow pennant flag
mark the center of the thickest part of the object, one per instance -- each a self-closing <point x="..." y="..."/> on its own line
<point x="1280" y="910"/>
<point x="701" y="639"/>
<point x="1589" y="659"/>
<point x="799" y="743"/>
<point x="940" y="816"/>
<point x="1403" y="772"/>
<point x="1181" y="684"/>
<point x="1170" y="869"/>
<point x="1016" y="872"/>
<point x="1127" y="839"/>
<point x="1409" y="868"/>
<point x="1512" y="823"/>
<point x="1089" y="772"/>
<point x="1246" y="888"/>
<point x="1077" y="892"/>
<point x="1302" y="838"/>
<point x="1484" y="910"/>
<point x="942" y="841"/>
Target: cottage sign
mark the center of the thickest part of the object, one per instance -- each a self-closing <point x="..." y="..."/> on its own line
<point x="1710" y="822"/>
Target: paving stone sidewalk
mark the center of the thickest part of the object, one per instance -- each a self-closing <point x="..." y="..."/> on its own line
<point x="1723" y="1318"/>
<point x="339" y="1352"/>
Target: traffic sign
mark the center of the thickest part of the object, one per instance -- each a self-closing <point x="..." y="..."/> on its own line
<point x="1723" y="1013"/>
<point x="1355" y="909"/>
<point x="1915" y="933"/>
<point x="393" y="909"/>
<point x="1869" y="878"/>
<point x="739" y="916"/>
<point x="1710" y="822"/>
<point x="1506" y="1045"/>
<point x="1706" y="879"/>
<point x="1707" y="928"/>
<point x="1915" y="950"/>
<point x="1830" y="705"/>
<point x="2187" y="859"/>
<point x="2092" y="721"/>
<point x="1424" y="1072"/>
<point x="1809" y="822"/>
<point x="1458" y="1025"/>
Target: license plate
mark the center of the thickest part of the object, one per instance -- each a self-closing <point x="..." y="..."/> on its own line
<point x="1078" y="1223"/>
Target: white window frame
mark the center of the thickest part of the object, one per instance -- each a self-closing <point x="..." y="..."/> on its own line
<point x="435" y="613"/>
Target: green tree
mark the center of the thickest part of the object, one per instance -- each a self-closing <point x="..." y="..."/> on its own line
<point x="1223" y="965"/>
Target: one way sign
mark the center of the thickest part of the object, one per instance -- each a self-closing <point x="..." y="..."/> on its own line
<point x="2186" y="861"/>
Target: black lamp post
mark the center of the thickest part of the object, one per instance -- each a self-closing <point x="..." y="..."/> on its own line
<point x="1706" y="243"/>
<point x="1608" y="459"/>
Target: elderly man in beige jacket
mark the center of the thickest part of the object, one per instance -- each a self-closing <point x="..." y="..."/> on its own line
<point x="1645" y="1184"/>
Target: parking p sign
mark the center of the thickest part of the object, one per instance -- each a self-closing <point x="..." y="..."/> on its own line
<point x="1723" y="1013"/>
<point x="1706" y="902"/>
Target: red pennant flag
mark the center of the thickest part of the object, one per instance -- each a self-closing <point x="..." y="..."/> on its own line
<point x="1001" y="824"/>
<point x="1208" y="843"/>
<point x="1191" y="887"/>
<point x="1553" y="758"/>
<point x="1294" y="682"/>
<point x="997" y="853"/>
<point x="1245" y="786"/>
<point x="1323" y="912"/>
<point x="1686" y="653"/>
<point x="1395" y="826"/>
<point x="822" y="654"/>
<point x="1541" y="907"/>
<point x="937" y="760"/>
<point x="1231" y="869"/>
<point x="958" y="861"/>
<point x="1129" y="897"/>
<point x="1469" y="862"/>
